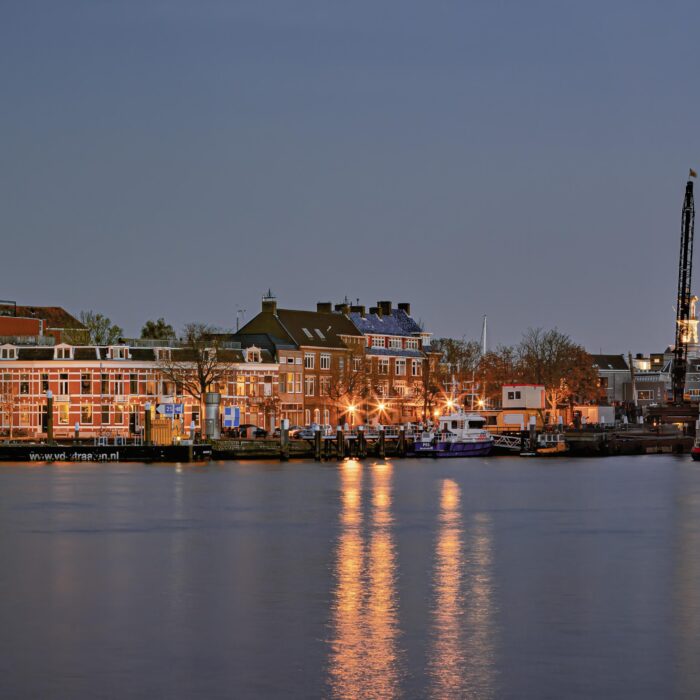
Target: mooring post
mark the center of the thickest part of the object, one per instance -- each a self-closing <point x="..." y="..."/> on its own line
<point x="77" y="433"/>
<point x="382" y="443"/>
<point x="284" y="440"/>
<point x="317" y="444"/>
<point x="339" y="443"/>
<point x="533" y="433"/>
<point x="147" y="424"/>
<point x="49" y="416"/>
<point x="402" y="441"/>
<point x="361" y="454"/>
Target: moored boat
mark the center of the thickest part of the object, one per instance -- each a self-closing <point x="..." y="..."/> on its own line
<point x="458" y="434"/>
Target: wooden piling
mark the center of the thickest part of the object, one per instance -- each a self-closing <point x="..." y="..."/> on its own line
<point x="147" y="425"/>
<point x="49" y="417"/>
<point x="382" y="444"/>
<point x="361" y="442"/>
<point x="284" y="441"/>
<point x="317" y="445"/>
<point x="339" y="443"/>
<point x="401" y="449"/>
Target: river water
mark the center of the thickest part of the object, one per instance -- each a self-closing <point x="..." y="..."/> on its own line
<point x="474" y="578"/>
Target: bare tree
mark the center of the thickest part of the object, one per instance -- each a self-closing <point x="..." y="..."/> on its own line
<point x="496" y="368"/>
<point x="348" y="382"/>
<point x="432" y="384"/>
<point x="198" y="364"/>
<point x="564" y="368"/>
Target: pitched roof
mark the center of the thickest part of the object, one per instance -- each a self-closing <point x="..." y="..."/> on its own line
<point x="396" y="323"/>
<point x="291" y="327"/>
<point x="53" y="316"/>
<point x="610" y="362"/>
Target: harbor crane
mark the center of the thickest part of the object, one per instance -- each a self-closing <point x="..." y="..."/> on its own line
<point x="685" y="270"/>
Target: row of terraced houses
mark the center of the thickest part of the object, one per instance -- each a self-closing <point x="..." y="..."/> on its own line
<point x="295" y="364"/>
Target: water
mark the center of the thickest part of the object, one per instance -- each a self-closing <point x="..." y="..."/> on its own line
<point x="499" y="578"/>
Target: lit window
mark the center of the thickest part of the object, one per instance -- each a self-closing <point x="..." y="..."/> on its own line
<point x="383" y="365"/>
<point x="310" y="385"/>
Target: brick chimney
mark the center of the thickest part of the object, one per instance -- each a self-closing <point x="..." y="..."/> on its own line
<point x="358" y="310"/>
<point x="405" y="307"/>
<point x="343" y="308"/>
<point x="269" y="303"/>
<point x="324" y="307"/>
<point x="375" y="310"/>
<point x="385" y="306"/>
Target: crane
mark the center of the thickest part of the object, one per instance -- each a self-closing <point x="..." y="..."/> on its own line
<point x="685" y="270"/>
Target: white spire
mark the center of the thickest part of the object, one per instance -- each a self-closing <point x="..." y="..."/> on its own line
<point x="483" y="336"/>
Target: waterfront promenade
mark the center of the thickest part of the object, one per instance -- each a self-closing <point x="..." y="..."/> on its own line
<point x="488" y="578"/>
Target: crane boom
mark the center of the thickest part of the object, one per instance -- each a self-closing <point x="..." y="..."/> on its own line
<point x="685" y="270"/>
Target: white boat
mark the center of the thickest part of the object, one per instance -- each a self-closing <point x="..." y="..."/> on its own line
<point x="458" y="434"/>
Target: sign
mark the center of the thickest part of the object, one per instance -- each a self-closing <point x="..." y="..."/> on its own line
<point x="170" y="409"/>
<point x="232" y="416"/>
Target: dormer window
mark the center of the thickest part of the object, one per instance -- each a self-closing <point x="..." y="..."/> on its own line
<point x="253" y="354"/>
<point x="8" y="352"/>
<point x="163" y="354"/>
<point x="63" y="352"/>
<point x="119" y="352"/>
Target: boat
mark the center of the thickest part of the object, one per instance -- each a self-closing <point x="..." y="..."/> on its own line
<point x="458" y="434"/>
<point x="547" y="444"/>
<point x="695" y="450"/>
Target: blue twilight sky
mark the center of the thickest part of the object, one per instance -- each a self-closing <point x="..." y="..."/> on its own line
<point x="524" y="160"/>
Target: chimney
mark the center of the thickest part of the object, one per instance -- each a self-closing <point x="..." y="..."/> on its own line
<point x="323" y="307"/>
<point x="358" y="310"/>
<point x="375" y="310"/>
<point x="343" y="308"/>
<point x="385" y="306"/>
<point x="406" y="308"/>
<point x="269" y="303"/>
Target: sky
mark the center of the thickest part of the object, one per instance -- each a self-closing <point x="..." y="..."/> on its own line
<point x="523" y="160"/>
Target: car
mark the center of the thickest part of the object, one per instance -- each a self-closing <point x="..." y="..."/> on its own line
<point x="292" y="432"/>
<point x="247" y="430"/>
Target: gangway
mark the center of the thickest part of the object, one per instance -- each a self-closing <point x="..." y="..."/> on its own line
<point x="508" y="442"/>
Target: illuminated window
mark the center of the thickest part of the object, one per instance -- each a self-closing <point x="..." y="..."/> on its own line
<point x="24" y="384"/>
<point x="63" y="409"/>
<point x="324" y="386"/>
<point x="86" y="414"/>
<point x="310" y="386"/>
<point x="85" y="384"/>
<point x="383" y="365"/>
<point x="118" y="414"/>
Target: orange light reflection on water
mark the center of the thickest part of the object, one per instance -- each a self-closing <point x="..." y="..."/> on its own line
<point x="364" y="655"/>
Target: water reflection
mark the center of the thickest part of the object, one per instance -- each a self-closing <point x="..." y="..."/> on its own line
<point x="461" y="655"/>
<point x="364" y="651"/>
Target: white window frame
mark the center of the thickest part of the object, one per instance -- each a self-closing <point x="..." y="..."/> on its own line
<point x="309" y="360"/>
<point x="325" y="361"/>
<point x="400" y="366"/>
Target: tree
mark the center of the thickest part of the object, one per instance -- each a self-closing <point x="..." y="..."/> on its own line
<point x="100" y="330"/>
<point x="431" y="386"/>
<point x="496" y="368"/>
<point x="157" y="330"/>
<point x="199" y="364"/>
<point x="348" y="383"/>
<point x="8" y="398"/>
<point x="565" y="369"/>
<point x="461" y="359"/>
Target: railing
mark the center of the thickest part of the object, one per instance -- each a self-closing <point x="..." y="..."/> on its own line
<point x="509" y="442"/>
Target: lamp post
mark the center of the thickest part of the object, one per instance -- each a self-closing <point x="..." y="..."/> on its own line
<point x="147" y="423"/>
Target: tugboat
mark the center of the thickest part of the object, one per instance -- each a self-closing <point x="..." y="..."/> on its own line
<point x="456" y="435"/>
<point x="547" y="445"/>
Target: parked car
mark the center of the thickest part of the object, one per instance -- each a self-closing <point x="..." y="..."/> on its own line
<point x="308" y="432"/>
<point x="293" y="430"/>
<point x="248" y="430"/>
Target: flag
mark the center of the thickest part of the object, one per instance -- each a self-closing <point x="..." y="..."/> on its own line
<point x="693" y="173"/>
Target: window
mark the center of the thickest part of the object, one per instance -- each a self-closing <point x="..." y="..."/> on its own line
<point x="400" y="367"/>
<point x="309" y="385"/>
<point x="283" y="383"/>
<point x="517" y="394"/>
<point x="307" y="417"/>
<point x="240" y="385"/>
<point x="324" y="386"/>
<point x="104" y="384"/>
<point x="63" y="413"/>
<point x="119" y="353"/>
<point x="105" y="415"/>
<point x="44" y="383"/>
<point x="645" y="394"/>
<point x="325" y="361"/>
<point x="411" y="343"/>
<point x="416" y="368"/>
<point x="163" y="354"/>
<point x="290" y="360"/>
<point x="63" y="352"/>
<point x="307" y="332"/>
<point x="63" y="384"/>
<point x="118" y="385"/>
<point x="298" y="382"/>
<point x="134" y="384"/>
<point x="309" y="360"/>
<point x="319" y="334"/>
<point x="24" y="384"/>
<point x="85" y="384"/>
<point x="378" y="342"/>
<point x="395" y="343"/>
<point x="195" y="415"/>
<point x="383" y="388"/>
<point x="118" y="414"/>
<point x="400" y="388"/>
<point x="8" y="353"/>
<point x="511" y="395"/>
<point x="356" y="364"/>
<point x="317" y="415"/>
<point x="383" y="365"/>
<point x="326" y="416"/>
<point x="86" y="414"/>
